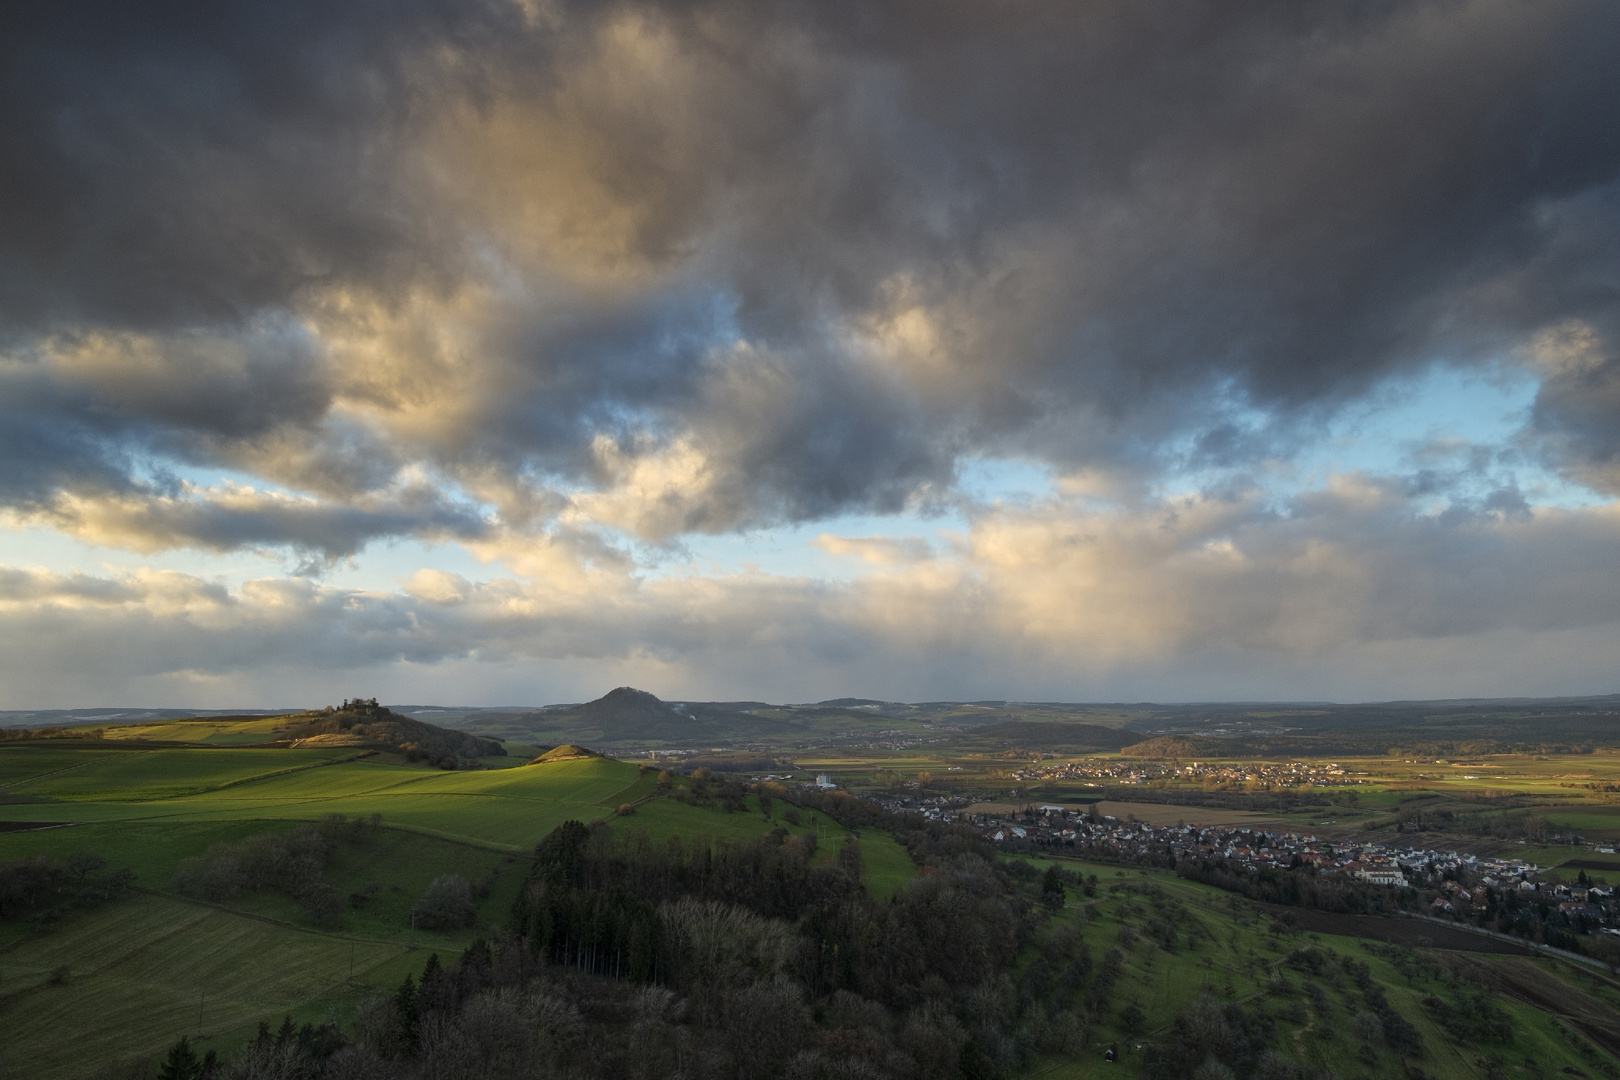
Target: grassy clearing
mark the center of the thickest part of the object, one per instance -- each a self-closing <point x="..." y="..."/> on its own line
<point x="885" y="864"/>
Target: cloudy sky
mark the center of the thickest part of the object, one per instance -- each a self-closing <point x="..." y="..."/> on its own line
<point x="504" y="351"/>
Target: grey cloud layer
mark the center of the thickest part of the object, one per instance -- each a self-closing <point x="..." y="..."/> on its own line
<point x="733" y="263"/>
<point x="1352" y="586"/>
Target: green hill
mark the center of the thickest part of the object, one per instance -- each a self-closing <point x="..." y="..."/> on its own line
<point x="367" y="724"/>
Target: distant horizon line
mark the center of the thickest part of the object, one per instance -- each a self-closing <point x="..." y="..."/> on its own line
<point x="110" y="712"/>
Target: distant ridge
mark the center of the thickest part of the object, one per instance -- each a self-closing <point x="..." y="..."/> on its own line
<point x="1175" y="747"/>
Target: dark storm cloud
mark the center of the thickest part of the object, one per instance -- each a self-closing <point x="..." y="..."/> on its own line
<point x="819" y="250"/>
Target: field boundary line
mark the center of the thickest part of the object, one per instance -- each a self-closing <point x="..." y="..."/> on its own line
<point x="195" y="792"/>
<point x="333" y="935"/>
<point x="69" y="768"/>
<point x="256" y="779"/>
<point x="481" y="845"/>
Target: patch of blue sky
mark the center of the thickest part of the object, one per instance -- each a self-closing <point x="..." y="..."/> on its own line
<point x="205" y="477"/>
<point x="1005" y="480"/>
<point x="1463" y="423"/>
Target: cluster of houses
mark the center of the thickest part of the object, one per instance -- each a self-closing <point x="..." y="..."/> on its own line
<point x="930" y="807"/>
<point x="1268" y="773"/>
<point x="1255" y="849"/>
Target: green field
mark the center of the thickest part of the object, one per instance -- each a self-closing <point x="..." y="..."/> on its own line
<point x="143" y="965"/>
<point x="131" y="977"/>
<point x="24" y="761"/>
<point x="141" y="775"/>
<point x="506" y="808"/>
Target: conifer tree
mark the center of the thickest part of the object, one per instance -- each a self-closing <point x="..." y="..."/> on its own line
<point x="182" y="1063"/>
<point x="405" y="1002"/>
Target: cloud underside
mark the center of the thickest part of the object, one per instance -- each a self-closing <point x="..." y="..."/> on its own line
<point x="565" y="283"/>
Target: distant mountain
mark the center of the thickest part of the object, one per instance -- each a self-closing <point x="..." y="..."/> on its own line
<point x="625" y="707"/>
<point x="628" y="715"/>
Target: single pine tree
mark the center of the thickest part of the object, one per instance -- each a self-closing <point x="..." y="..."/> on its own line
<point x="405" y="1002"/>
<point x="182" y="1063"/>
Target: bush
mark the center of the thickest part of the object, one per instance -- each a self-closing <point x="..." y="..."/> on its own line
<point x="447" y="903"/>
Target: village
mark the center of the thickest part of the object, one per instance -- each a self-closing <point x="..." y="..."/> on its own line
<point x="1263" y="774"/>
<point x="1454" y="877"/>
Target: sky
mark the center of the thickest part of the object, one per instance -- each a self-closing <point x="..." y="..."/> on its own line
<point x="505" y="351"/>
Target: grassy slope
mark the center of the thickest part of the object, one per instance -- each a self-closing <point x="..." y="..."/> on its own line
<point x="138" y="971"/>
<point x="168" y="773"/>
<point x="507" y="808"/>
<point x="166" y="950"/>
<point x="1241" y="945"/>
<point x="22" y="761"/>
